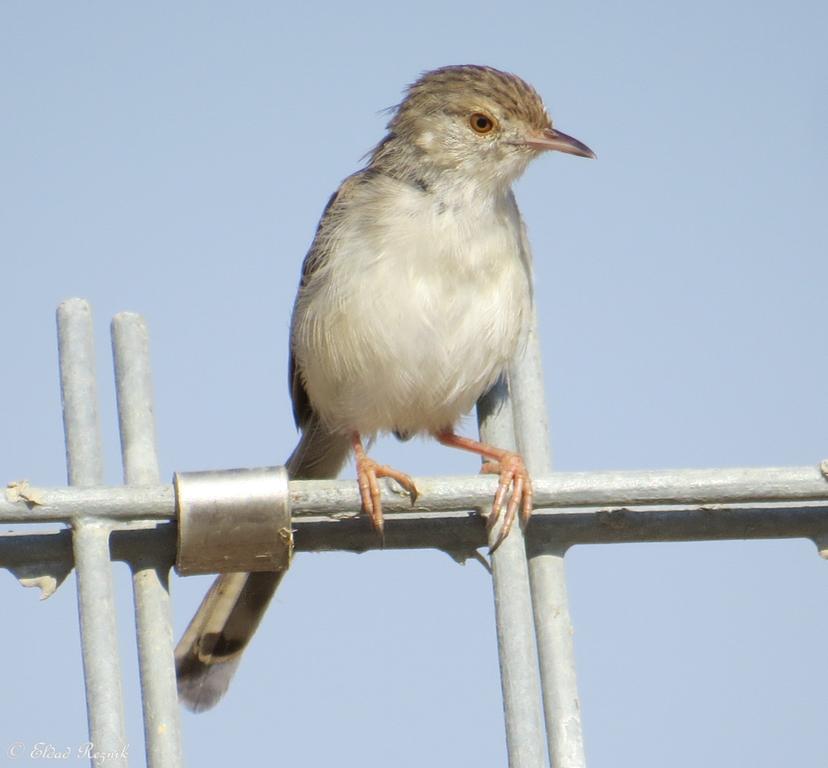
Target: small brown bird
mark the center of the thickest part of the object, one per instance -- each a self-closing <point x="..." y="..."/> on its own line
<point x="413" y="300"/>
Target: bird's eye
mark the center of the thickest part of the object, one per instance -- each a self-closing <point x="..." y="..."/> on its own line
<point x="481" y="123"/>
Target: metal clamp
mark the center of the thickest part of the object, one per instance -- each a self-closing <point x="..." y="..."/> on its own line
<point x="234" y="520"/>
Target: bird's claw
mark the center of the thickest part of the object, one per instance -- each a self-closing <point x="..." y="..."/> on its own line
<point x="368" y="474"/>
<point x="512" y="471"/>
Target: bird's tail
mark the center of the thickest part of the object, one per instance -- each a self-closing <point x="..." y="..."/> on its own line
<point x="210" y="648"/>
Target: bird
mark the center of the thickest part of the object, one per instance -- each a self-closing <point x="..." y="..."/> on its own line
<point x="414" y="297"/>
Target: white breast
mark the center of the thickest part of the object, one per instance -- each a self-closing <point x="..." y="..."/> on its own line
<point x="419" y="309"/>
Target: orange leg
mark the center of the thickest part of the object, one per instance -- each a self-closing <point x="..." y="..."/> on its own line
<point x="509" y="465"/>
<point x="368" y="473"/>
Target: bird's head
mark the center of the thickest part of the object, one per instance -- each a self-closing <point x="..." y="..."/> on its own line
<point x="473" y="122"/>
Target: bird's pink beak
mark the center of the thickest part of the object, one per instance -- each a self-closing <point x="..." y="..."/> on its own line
<point x="551" y="138"/>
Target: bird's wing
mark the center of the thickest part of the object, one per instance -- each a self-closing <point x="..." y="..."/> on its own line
<point x="323" y="242"/>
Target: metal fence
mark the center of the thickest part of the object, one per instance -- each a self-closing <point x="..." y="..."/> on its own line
<point x="136" y="523"/>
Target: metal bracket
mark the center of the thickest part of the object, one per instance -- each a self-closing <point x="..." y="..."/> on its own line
<point x="234" y="520"/>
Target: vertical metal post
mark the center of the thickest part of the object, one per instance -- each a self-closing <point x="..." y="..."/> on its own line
<point x="150" y="578"/>
<point x="513" y="611"/>
<point x="90" y="538"/>
<point x="553" y="625"/>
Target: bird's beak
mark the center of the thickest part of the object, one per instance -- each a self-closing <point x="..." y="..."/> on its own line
<point x="551" y="138"/>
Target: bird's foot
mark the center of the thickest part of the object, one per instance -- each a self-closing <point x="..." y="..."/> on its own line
<point x="512" y="472"/>
<point x="368" y="474"/>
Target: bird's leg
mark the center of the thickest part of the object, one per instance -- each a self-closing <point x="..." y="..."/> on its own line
<point x="512" y="471"/>
<point x="368" y="473"/>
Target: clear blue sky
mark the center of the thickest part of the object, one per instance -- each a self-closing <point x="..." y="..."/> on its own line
<point x="173" y="160"/>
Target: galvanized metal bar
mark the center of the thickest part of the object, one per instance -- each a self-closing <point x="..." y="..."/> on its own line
<point x="79" y="393"/>
<point x="99" y="641"/>
<point x="461" y="531"/>
<point x="150" y="572"/>
<point x="513" y="611"/>
<point x="581" y="493"/>
<point x="584" y="489"/>
<point x="553" y="625"/>
<point x="90" y="538"/>
<point x="24" y="503"/>
<point x="711" y="488"/>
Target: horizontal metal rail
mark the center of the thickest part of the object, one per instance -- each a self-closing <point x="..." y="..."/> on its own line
<point x="599" y="507"/>
<point x="24" y="503"/>
<point x="459" y="534"/>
